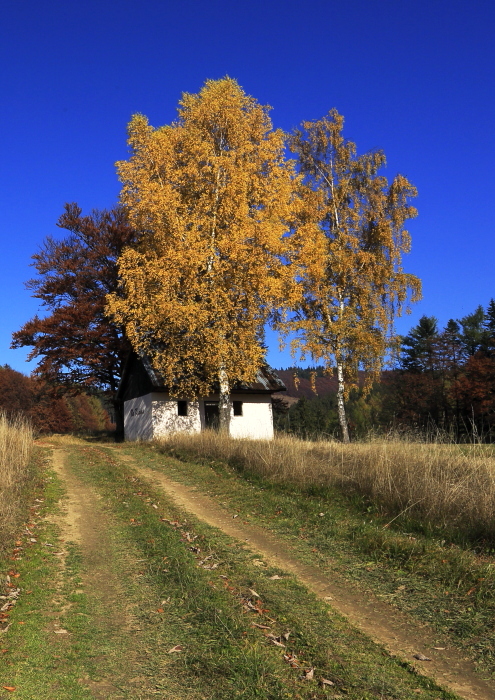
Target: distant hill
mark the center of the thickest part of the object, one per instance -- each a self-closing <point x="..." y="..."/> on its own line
<point x="296" y="389"/>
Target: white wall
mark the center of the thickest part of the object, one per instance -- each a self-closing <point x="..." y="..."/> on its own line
<point x="155" y="415"/>
<point x="165" y="419"/>
<point x="256" y="421"/>
<point x="138" y="418"/>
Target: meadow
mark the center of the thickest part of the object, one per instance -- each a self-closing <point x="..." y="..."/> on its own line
<point x="433" y="486"/>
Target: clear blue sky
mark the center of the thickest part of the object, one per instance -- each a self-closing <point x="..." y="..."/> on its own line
<point x="414" y="78"/>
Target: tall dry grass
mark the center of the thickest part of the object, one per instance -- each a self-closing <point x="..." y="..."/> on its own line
<point x="16" y="443"/>
<point x="441" y="485"/>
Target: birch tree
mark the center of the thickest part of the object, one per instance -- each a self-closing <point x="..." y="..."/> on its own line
<point x="347" y="247"/>
<point x="211" y="195"/>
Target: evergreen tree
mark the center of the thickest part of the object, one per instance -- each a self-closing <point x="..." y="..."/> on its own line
<point x="418" y="347"/>
<point x="473" y="334"/>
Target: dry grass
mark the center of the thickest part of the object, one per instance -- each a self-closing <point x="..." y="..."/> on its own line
<point x="16" y="443"/>
<point x="446" y="486"/>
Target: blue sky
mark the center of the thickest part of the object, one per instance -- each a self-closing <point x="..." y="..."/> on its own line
<point x="415" y="79"/>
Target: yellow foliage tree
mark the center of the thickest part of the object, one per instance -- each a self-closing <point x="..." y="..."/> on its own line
<point x="211" y="195"/>
<point x="347" y="248"/>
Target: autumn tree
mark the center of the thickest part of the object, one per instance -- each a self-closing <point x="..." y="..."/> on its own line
<point x="211" y="194"/>
<point x="76" y="345"/>
<point x="347" y="247"/>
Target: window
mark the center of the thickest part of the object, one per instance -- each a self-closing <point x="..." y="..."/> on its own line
<point x="182" y="408"/>
<point x="237" y="408"/>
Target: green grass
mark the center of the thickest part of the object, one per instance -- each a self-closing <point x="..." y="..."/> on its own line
<point x="223" y="655"/>
<point x="33" y="659"/>
<point x="169" y="599"/>
<point x="449" y="587"/>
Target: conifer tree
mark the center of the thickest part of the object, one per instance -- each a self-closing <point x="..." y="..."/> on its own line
<point x="419" y="346"/>
<point x="473" y="334"/>
<point x="347" y="248"/>
<point x="211" y="195"/>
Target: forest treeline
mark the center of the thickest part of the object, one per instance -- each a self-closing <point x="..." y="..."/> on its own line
<point x="442" y="381"/>
<point x="48" y="410"/>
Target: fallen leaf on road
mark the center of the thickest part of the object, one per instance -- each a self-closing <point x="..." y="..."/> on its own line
<point x="176" y="648"/>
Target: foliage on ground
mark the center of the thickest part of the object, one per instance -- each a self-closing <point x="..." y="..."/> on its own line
<point x="442" y="489"/>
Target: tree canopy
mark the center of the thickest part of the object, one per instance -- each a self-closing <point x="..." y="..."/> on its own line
<point x="347" y="248"/>
<point x="212" y="195"/>
<point x="76" y="344"/>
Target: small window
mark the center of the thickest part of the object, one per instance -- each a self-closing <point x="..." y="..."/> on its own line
<point x="237" y="408"/>
<point x="182" y="408"/>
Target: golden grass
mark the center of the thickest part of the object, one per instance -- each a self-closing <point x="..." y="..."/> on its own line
<point x="16" y="443"/>
<point x="449" y="486"/>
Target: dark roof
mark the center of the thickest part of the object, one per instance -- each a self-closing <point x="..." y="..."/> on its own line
<point x="140" y="378"/>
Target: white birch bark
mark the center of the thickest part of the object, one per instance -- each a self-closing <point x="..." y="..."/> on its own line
<point x="341" y="389"/>
<point x="340" y="403"/>
<point x="224" y="402"/>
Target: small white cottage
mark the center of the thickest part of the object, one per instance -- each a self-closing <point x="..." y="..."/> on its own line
<point x="149" y="411"/>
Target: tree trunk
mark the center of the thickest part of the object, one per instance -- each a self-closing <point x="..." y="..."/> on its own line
<point x="118" y="407"/>
<point x="224" y="403"/>
<point x="340" y="404"/>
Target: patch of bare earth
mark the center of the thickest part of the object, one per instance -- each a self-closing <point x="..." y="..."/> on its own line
<point x="399" y="633"/>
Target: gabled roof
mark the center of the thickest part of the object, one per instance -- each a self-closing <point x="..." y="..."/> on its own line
<point x="140" y="378"/>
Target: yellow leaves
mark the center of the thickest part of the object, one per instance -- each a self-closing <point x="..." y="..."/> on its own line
<point x="347" y="248"/>
<point x="212" y="194"/>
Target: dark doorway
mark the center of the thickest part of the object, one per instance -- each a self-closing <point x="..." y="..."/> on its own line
<point x="212" y="415"/>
